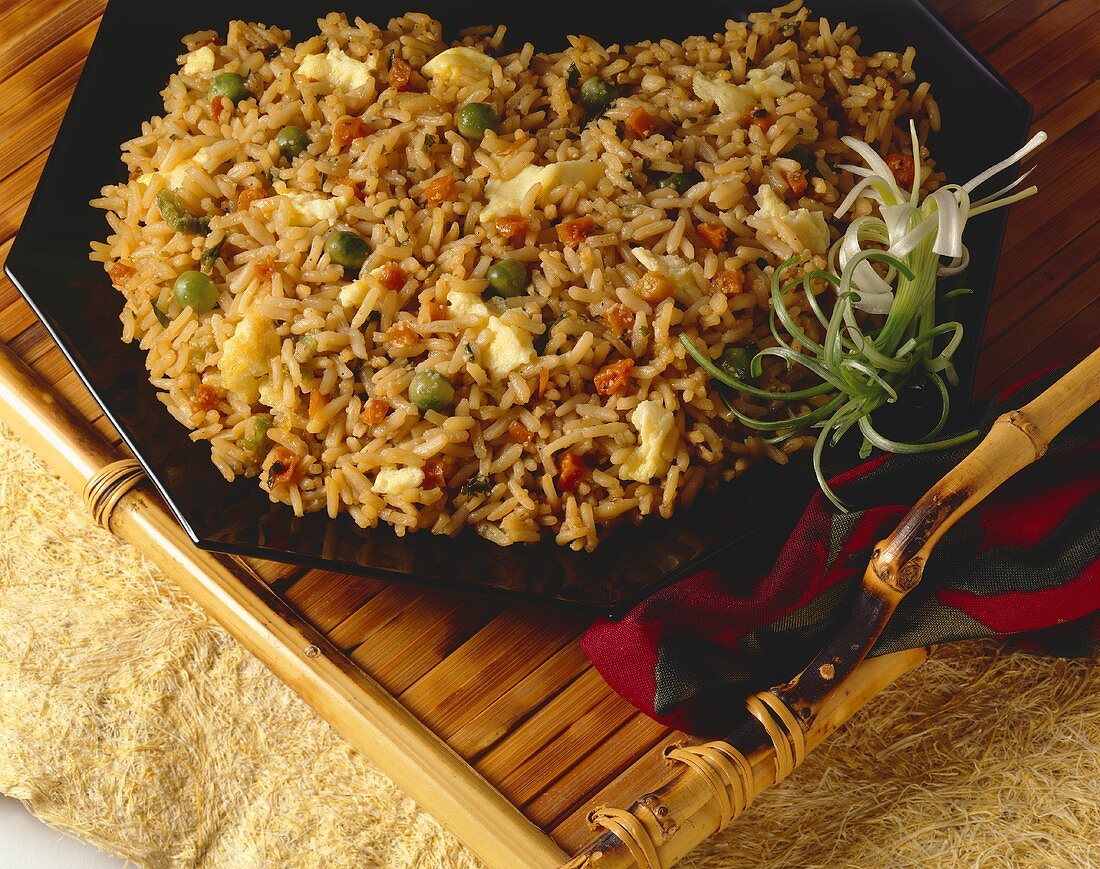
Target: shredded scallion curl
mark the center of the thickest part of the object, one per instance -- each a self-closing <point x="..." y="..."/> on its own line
<point x="859" y="370"/>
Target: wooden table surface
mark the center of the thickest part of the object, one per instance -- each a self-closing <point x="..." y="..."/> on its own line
<point x="1045" y="311"/>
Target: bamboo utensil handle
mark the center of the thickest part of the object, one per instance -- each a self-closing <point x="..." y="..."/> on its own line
<point x="364" y="713"/>
<point x="789" y="720"/>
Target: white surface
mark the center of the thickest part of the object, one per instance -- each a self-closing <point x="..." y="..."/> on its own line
<point x="27" y="843"/>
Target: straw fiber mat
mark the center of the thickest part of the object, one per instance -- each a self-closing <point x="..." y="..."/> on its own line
<point x="130" y="719"/>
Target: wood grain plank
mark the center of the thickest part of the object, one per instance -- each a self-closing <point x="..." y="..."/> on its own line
<point x="553" y="718"/>
<point x="34" y="121"/>
<point x="421" y="637"/>
<point x="619" y="749"/>
<point x="1057" y="83"/>
<point x="326" y="598"/>
<point x="1064" y="316"/>
<point x="1023" y="44"/>
<point x="492" y="661"/>
<point x="992" y="31"/>
<point x="515" y="706"/>
<point x="372" y="616"/>
<point x="28" y="30"/>
<point x="43" y="76"/>
<point x="15" y="194"/>
<point x="966" y="15"/>
<point x="633" y="780"/>
<point x="568" y="750"/>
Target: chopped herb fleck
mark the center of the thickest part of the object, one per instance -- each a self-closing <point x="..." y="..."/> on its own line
<point x="572" y="76"/>
<point x="162" y="318"/>
<point x="469" y="350"/>
<point x="209" y="257"/>
<point x="476" y="485"/>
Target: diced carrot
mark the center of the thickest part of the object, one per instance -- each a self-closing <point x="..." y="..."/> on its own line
<point x="713" y="235"/>
<point x="206" y="397"/>
<point x="654" y="287"/>
<point x="641" y="123"/>
<point x="221" y="109"/>
<point x="375" y="410"/>
<point x="435" y="473"/>
<point x="402" y="334"/>
<point x="513" y="226"/>
<point x="619" y="317"/>
<point x="571" y="470"/>
<point x="120" y="273"/>
<point x="248" y="196"/>
<point x="266" y="267"/>
<point x="439" y="190"/>
<point x="400" y="75"/>
<point x="796" y="180"/>
<point x="903" y="168"/>
<point x="761" y="120"/>
<point x="729" y="283"/>
<point x="613" y="377"/>
<point x="573" y="232"/>
<point x="317" y="402"/>
<point x="518" y="433"/>
<point x="346" y="130"/>
<point x="392" y="276"/>
<point x="436" y="311"/>
<point x="283" y="468"/>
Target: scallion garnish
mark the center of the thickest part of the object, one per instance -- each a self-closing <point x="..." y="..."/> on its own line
<point x="860" y="371"/>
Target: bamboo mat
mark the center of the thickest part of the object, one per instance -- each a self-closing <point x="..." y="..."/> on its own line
<point x="508" y="688"/>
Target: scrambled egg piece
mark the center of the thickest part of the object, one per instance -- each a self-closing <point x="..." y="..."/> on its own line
<point x="740" y="99"/>
<point x="459" y="61"/>
<point x="246" y="356"/>
<point x="729" y="98"/>
<point x="505" y="197"/>
<point x="795" y="230"/>
<point x="338" y="69"/>
<point x="206" y="158"/>
<point x="508" y="348"/>
<point x="397" y="481"/>
<point x="198" y="61"/>
<point x="679" y="272"/>
<point x="308" y="209"/>
<point x="656" y="444"/>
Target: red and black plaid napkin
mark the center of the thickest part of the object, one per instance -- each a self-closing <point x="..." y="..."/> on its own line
<point x="1024" y="564"/>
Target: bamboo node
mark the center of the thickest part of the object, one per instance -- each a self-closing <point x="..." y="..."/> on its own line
<point x="104" y="490"/>
<point x="910" y="574"/>
<point x="1020" y="420"/>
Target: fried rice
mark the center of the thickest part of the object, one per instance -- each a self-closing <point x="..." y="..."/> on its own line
<point x="574" y="405"/>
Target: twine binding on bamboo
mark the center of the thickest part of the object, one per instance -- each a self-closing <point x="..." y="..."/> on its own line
<point x="103" y="491"/>
<point x="726" y="771"/>
<point x="631" y="833"/>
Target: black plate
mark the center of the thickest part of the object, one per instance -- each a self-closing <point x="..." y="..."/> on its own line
<point x="133" y="55"/>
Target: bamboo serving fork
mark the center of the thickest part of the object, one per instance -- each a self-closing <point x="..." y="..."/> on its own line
<point x="715" y="782"/>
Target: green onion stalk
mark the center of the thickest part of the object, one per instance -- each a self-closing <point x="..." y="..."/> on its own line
<point x="916" y="242"/>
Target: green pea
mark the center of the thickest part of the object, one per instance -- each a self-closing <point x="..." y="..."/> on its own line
<point x="177" y="216"/>
<point x="229" y="84"/>
<point x="737" y="362"/>
<point x="507" y="278"/>
<point x="195" y="290"/>
<point x="475" y="118"/>
<point x="430" y="390"/>
<point x="254" y="438"/>
<point x="347" y="249"/>
<point x="681" y="182"/>
<point x="292" y="141"/>
<point x="597" y="95"/>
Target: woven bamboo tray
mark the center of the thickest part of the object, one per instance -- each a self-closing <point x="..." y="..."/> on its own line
<point x="488" y="715"/>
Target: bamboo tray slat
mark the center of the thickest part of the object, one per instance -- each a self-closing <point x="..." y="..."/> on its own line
<point x="506" y="690"/>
